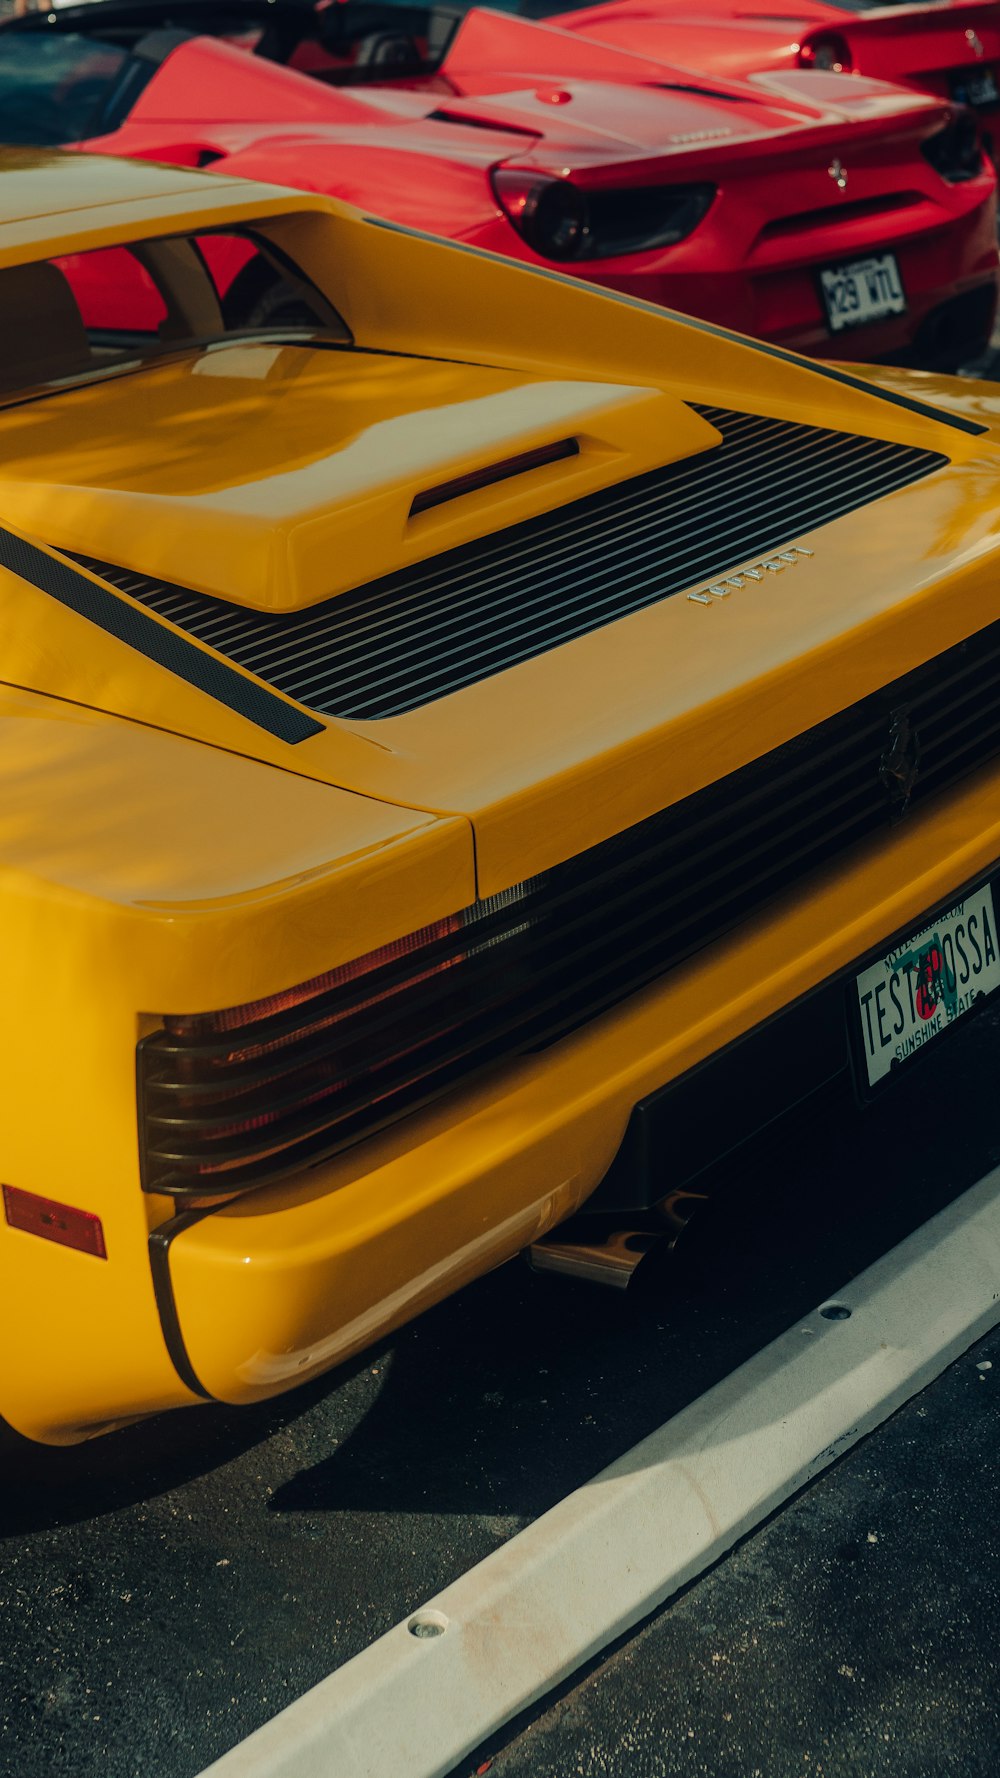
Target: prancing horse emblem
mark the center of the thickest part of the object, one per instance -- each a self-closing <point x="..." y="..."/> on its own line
<point x="975" y="43"/>
<point x="899" y="766"/>
<point x="838" y="173"/>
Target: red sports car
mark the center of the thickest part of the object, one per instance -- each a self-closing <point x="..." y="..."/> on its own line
<point x="950" y="48"/>
<point x="843" y="218"/>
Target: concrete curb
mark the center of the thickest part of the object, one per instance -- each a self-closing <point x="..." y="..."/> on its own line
<point x="435" y="1687"/>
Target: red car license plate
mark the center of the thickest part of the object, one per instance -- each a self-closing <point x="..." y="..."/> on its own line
<point x="861" y="291"/>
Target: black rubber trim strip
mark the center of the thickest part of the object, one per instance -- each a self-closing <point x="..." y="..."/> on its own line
<point x="160" y="1242"/>
<point x="816" y="366"/>
<point x="138" y="630"/>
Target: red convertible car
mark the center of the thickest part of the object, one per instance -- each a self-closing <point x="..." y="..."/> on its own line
<point x="950" y="48"/>
<point x="847" y="219"/>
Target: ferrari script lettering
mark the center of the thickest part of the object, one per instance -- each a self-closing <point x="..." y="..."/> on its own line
<point x="758" y="571"/>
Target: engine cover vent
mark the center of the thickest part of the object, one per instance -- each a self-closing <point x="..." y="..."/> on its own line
<point x="456" y="619"/>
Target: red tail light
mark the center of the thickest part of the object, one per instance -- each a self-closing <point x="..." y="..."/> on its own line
<point x="235" y="1017"/>
<point x="560" y="221"/>
<point x="827" y="51"/>
<point x="70" y="1227"/>
<point x="241" y="1095"/>
<point x="551" y="214"/>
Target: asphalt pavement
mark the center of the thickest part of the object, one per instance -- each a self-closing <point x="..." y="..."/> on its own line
<point x="852" y="1637"/>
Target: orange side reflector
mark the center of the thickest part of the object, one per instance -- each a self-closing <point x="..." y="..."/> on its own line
<point x="53" y="1221"/>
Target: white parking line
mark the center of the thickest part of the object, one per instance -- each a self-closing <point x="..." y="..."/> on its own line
<point x="432" y="1689"/>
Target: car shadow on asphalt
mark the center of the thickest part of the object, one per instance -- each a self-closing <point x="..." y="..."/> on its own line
<point x="42" y="1487"/>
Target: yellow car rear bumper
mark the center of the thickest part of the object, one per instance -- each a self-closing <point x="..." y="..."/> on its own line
<point x="280" y="1285"/>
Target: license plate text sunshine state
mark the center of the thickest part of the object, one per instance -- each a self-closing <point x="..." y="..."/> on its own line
<point x="916" y="991"/>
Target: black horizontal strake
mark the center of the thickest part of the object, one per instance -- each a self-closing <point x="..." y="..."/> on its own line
<point x="240" y="1097"/>
<point x="425" y="631"/>
<point x="53" y="575"/>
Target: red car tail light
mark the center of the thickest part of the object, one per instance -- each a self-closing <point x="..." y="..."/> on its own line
<point x="53" y="1221"/>
<point x="550" y="214"/>
<point x="827" y="51"/>
<point x="253" y="1011"/>
<point x="956" y="152"/>
<point x="562" y="222"/>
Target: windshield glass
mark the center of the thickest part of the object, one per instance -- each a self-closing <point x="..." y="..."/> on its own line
<point x="58" y="89"/>
<point x="118" y="308"/>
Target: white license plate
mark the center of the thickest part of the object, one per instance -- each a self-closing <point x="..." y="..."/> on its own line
<point x="914" y="993"/>
<point x="864" y="290"/>
<point x="975" y="86"/>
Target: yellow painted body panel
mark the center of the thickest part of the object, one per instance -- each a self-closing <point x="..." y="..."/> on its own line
<point x="278" y="1286"/>
<point x="160" y="852"/>
<point x="139" y="871"/>
<point x="973" y="399"/>
<point x="54" y="203"/>
<point x="275" y="476"/>
<point x="397" y="288"/>
<point x="561" y="751"/>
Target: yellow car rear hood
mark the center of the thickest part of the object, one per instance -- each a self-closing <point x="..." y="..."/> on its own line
<point x="276" y="475"/>
<point x="559" y="751"/>
<point x="563" y="750"/>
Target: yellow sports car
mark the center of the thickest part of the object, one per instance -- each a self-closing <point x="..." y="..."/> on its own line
<point x="452" y="732"/>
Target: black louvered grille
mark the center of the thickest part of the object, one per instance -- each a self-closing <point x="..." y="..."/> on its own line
<point x="518" y="971"/>
<point x="454" y="620"/>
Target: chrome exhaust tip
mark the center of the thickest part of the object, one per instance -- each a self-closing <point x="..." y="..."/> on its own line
<point x="606" y="1258"/>
<point x="591" y="1248"/>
